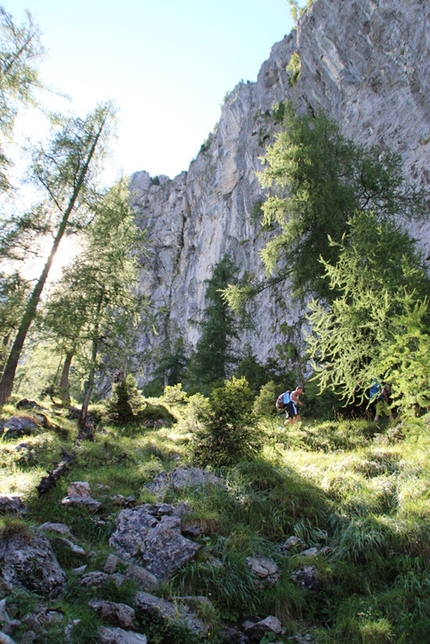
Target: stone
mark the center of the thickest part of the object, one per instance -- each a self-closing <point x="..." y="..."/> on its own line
<point x="113" y="613"/>
<point x="29" y="562"/>
<point x="306" y="577"/>
<point x="265" y="570"/>
<point x="17" y="426"/>
<point x="80" y="489"/>
<point x="182" y="477"/>
<point x="145" y="579"/>
<point x="294" y="544"/>
<point x="363" y="63"/>
<point x="270" y="624"/>
<point x="152" y="536"/>
<point x="59" y="528"/>
<point x="76" y="501"/>
<point x="119" y="636"/>
<point x="155" y="608"/>
<point x="12" y="504"/>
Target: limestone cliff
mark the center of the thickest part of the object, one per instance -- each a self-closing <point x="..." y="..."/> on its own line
<point x="365" y="62"/>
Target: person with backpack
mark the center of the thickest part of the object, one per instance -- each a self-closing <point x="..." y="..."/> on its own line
<point x="293" y="405"/>
<point x="380" y="395"/>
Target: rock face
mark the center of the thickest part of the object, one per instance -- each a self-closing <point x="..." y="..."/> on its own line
<point x="364" y="63"/>
<point x="30" y="563"/>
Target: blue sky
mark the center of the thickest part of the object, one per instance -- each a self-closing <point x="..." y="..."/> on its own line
<point x="167" y="64"/>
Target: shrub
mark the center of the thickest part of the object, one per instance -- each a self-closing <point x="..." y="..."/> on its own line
<point x="227" y="434"/>
<point x="125" y="403"/>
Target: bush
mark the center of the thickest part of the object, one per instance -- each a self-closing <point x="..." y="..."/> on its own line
<point x="227" y="434"/>
<point x="126" y="401"/>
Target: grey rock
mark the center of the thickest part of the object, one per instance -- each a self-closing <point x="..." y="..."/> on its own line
<point x="95" y="579"/>
<point x="294" y="544"/>
<point x="60" y="528"/>
<point x="119" y="636"/>
<point x="76" y="501"/>
<point x="17" y="426"/>
<point x="152" y="536"/>
<point x="364" y="64"/>
<point x="79" y="488"/>
<point x="145" y="579"/>
<point x="12" y="504"/>
<point x="306" y="577"/>
<point x="265" y="570"/>
<point x="31" y="564"/>
<point x="114" y="613"/>
<point x="155" y="608"/>
<point x="256" y="631"/>
<point x="111" y="564"/>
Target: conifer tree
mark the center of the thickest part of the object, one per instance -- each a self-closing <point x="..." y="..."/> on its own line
<point x="64" y="171"/>
<point x="214" y="357"/>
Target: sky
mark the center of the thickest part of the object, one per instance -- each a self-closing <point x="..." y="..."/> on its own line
<point x="167" y="65"/>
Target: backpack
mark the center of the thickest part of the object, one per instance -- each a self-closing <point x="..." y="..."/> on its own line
<point x="375" y="391"/>
<point x="282" y="400"/>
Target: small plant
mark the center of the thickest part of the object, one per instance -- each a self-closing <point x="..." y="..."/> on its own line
<point x="126" y="401"/>
<point x="227" y="434"/>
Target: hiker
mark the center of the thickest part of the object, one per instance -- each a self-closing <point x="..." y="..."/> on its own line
<point x="383" y="404"/>
<point x="293" y="405"/>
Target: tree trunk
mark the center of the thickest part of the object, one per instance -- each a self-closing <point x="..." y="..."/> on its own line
<point x="64" y="381"/>
<point x="91" y="376"/>
<point x="8" y="376"/>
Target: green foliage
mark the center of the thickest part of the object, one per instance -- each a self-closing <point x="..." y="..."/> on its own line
<point x="264" y="404"/>
<point x="65" y="169"/>
<point x="125" y="403"/>
<point x="376" y="325"/>
<point x="255" y="373"/>
<point x="213" y="358"/>
<point x="227" y="435"/>
<point x="294" y="68"/>
<point x="20" y="50"/>
<point x="170" y="370"/>
<point x="319" y="179"/>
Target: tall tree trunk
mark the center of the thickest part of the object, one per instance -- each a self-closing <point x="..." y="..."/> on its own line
<point x="8" y="376"/>
<point x="91" y="376"/>
<point x="64" y="380"/>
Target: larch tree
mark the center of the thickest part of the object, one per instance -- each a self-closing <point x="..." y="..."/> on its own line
<point x="20" y="52"/>
<point x="65" y="170"/>
<point x="97" y="298"/>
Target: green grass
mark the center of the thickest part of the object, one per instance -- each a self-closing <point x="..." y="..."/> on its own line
<point x="361" y="490"/>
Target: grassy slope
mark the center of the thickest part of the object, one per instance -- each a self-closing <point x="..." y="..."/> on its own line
<point x="361" y="490"/>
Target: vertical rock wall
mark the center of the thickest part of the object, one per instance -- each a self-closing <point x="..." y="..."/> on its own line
<point x="366" y="64"/>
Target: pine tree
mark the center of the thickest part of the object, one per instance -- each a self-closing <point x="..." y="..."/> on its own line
<point x="213" y="358"/>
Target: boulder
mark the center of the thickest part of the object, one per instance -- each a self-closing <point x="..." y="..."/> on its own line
<point x="113" y="613"/>
<point x="182" y="477"/>
<point x="270" y="624"/>
<point x="119" y="636"/>
<point x="12" y="504"/>
<point x="265" y="571"/>
<point x="151" y="535"/>
<point x="30" y="563"/>
<point x="157" y="609"/>
<point x="17" y="426"/>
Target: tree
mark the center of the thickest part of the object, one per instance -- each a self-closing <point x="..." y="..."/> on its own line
<point x="20" y="50"/>
<point x="64" y="171"/>
<point x="213" y="357"/>
<point x="101" y="287"/>
<point x="227" y="434"/>
<point x="380" y="287"/>
<point x="317" y="181"/>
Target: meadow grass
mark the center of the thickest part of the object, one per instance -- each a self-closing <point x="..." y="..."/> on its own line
<point x="360" y="490"/>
